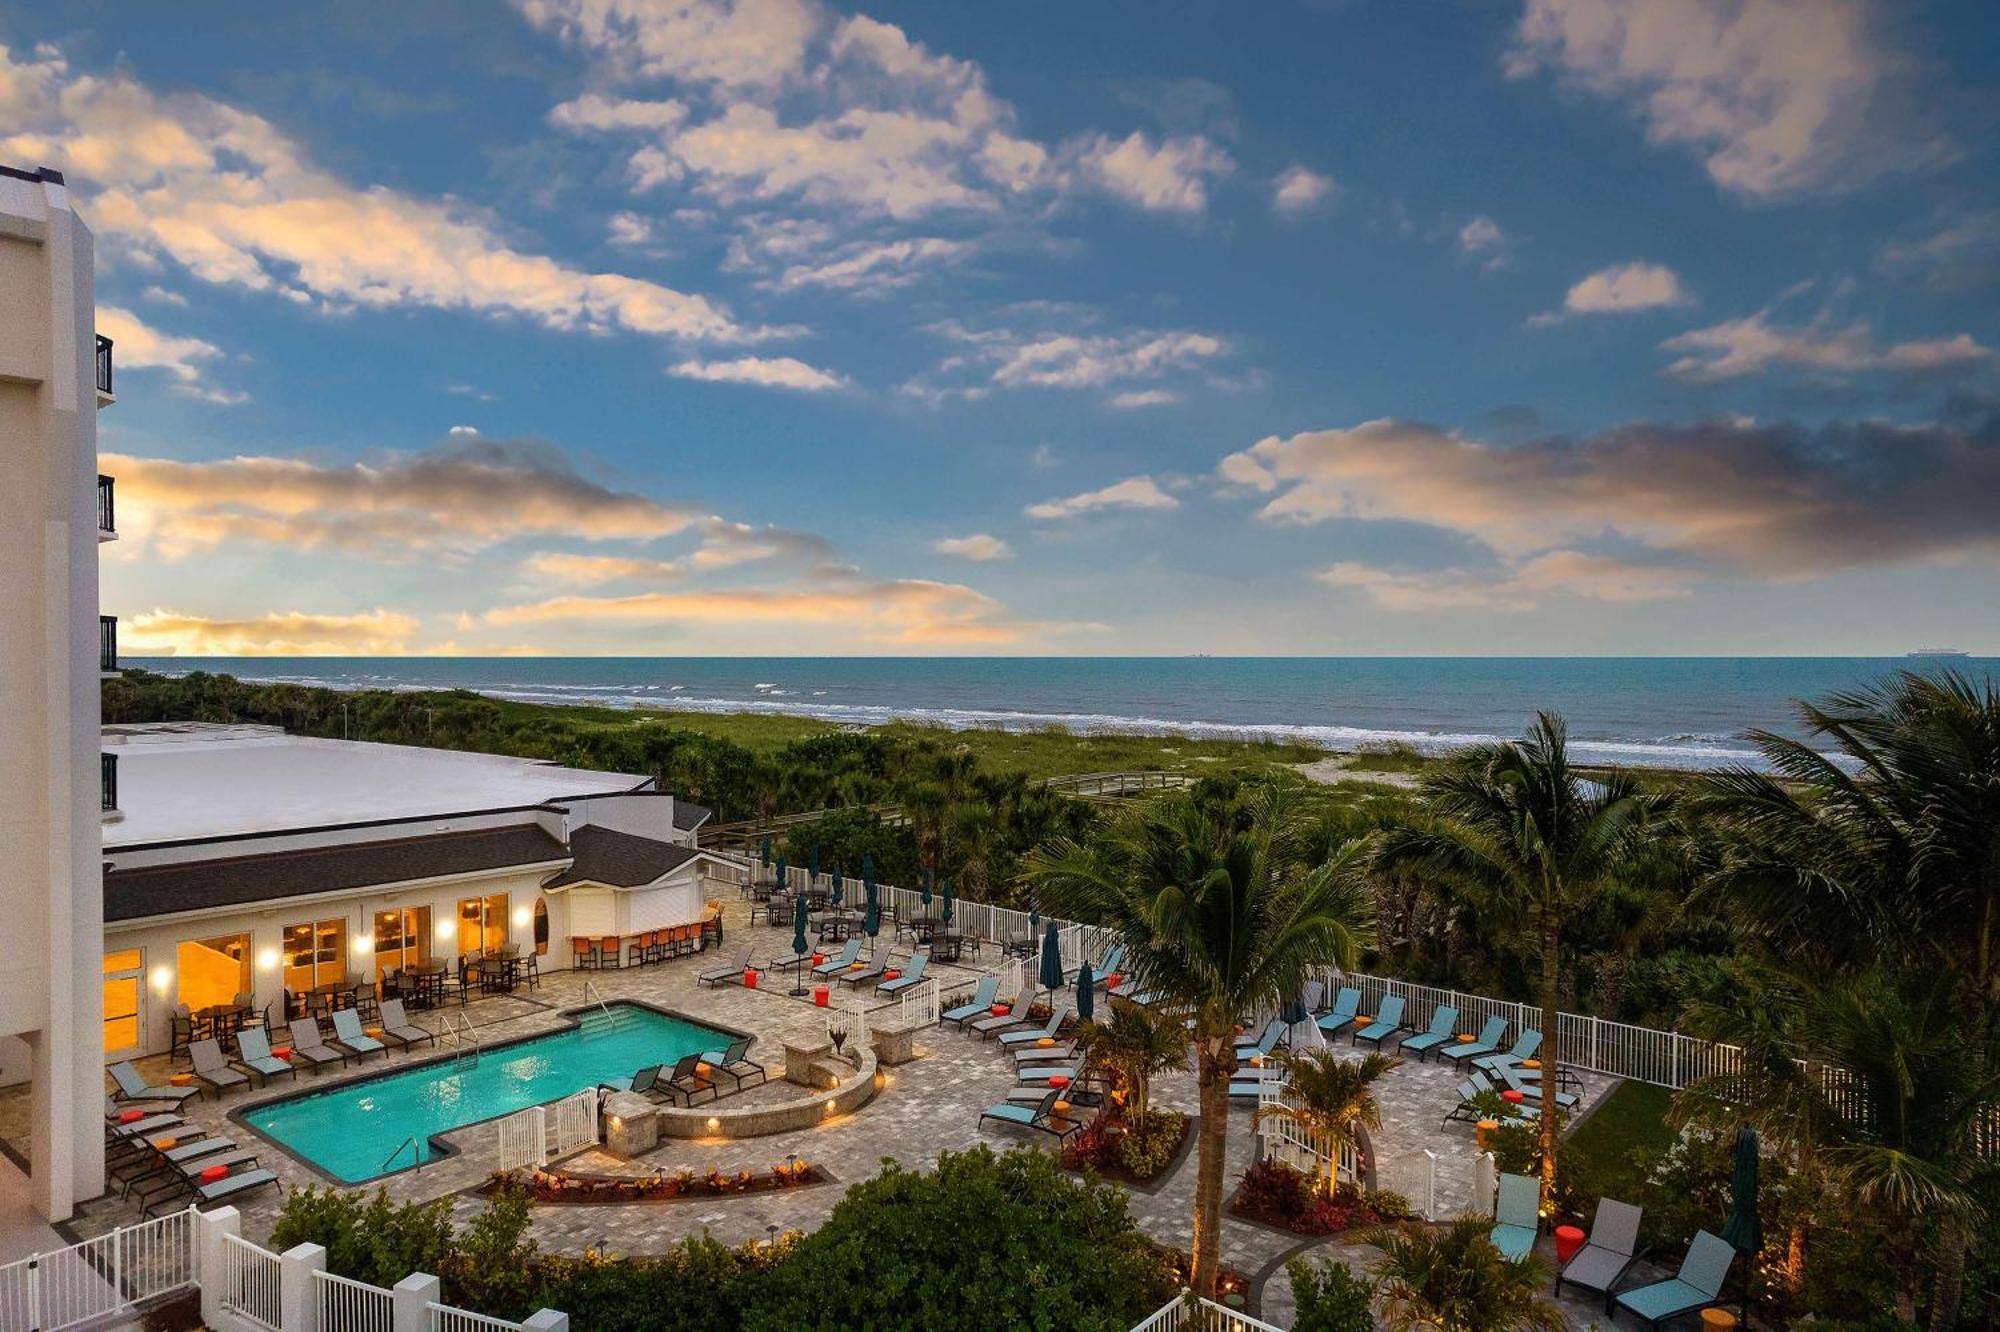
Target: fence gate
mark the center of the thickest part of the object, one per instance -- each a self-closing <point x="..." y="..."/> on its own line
<point x="572" y="1124"/>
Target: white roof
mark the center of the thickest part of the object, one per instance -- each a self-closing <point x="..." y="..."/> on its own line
<point x="181" y="780"/>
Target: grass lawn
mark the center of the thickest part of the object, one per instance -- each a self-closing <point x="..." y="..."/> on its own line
<point x="1614" y="1150"/>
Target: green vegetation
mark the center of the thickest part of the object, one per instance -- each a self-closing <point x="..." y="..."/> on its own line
<point x="1613" y="1152"/>
<point x="1329" y="1298"/>
<point x="1452" y="1279"/>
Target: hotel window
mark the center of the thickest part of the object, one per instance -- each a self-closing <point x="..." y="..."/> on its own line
<point x="482" y="924"/>
<point x="402" y="939"/>
<point x="122" y="971"/>
<point x="315" y="954"/>
<point x="213" y="971"/>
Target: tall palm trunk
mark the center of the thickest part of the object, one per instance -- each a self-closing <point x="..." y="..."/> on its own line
<point x="1949" y="1291"/>
<point x="1551" y="1054"/>
<point x="1215" y="1061"/>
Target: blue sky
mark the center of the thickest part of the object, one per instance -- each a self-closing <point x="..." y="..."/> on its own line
<point x="581" y="326"/>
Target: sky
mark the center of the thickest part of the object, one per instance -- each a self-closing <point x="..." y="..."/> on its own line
<point x="780" y="327"/>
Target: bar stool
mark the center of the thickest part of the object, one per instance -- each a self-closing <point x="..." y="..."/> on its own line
<point x="585" y="952"/>
<point x="607" y="953"/>
<point x="635" y="949"/>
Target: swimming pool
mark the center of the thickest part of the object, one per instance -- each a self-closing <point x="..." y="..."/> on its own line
<point x="350" y="1132"/>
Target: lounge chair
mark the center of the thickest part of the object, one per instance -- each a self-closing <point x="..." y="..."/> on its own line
<point x="1056" y="1052"/>
<point x="1489" y="1041"/>
<point x="1101" y="971"/>
<point x="347" y="1035"/>
<point x="1517" y="1215"/>
<point x="726" y="971"/>
<point x="1609" y="1253"/>
<point x="734" y="1062"/>
<point x="1274" y="1031"/>
<point x="212" y="1070"/>
<point x="1520" y="1080"/>
<point x="253" y="1046"/>
<point x="1698" y="1286"/>
<point x="1015" y="1016"/>
<point x="1524" y="1049"/>
<point x="688" y="1084"/>
<point x="1247" y="1085"/>
<point x="397" y="1027"/>
<point x="308" y="1045"/>
<point x="913" y="974"/>
<point x="1345" y="1005"/>
<point x="869" y="972"/>
<point x="981" y="1001"/>
<point x="1444" y="1027"/>
<point x="1041" y="1117"/>
<point x="229" y="1186"/>
<point x="1464" y="1112"/>
<point x="834" y="965"/>
<point x="646" y="1081"/>
<point x="1057" y="1017"/>
<point x="132" y="1087"/>
<point x="1388" y="1021"/>
<point x="1044" y="1072"/>
<point x="173" y="1177"/>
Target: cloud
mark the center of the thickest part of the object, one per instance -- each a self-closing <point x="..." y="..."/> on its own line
<point x="1756" y="344"/>
<point x="139" y="346"/>
<point x="1558" y="573"/>
<point x="1169" y="176"/>
<point x="1776" y="97"/>
<point x="590" y="570"/>
<point x="1299" y="190"/>
<point x="1621" y="289"/>
<point x="1482" y="240"/>
<point x="1955" y="255"/>
<point x="1774" y="501"/>
<point x="874" y="269"/>
<point x="230" y="197"/>
<point x="593" y="111"/>
<point x="629" y="230"/>
<point x="767" y="372"/>
<point x="377" y="633"/>
<point x="1138" y="492"/>
<point x="745" y="44"/>
<point x="161" y="296"/>
<point x="979" y="547"/>
<point x="1139" y="398"/>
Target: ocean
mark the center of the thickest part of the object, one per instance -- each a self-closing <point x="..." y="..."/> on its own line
<point x="1678" y="712"/>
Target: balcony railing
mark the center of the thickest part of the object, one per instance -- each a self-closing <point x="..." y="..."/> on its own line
<point x="108" y="775"/>
<point x="103" y="364"/>
<point x="107" y="511"/>
<point x="107" y="644"/>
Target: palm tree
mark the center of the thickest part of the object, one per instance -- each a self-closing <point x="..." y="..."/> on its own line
<point x="1514" y="825"/>
<point x="1222" y="922"/>
<point x="1136" y="1043"/>
<point x="1452" y="1279"/>
<point x="1329" y="1098"/>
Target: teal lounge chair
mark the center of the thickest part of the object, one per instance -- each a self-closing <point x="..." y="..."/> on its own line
<point x="1057" y="1017"/>
<point x="1040" y="1117"/>
<point x="254" y="1045"/>
<point x="1489" y="1041"/>
<point x="913" y="974"/>
<point x="1345" y="1005"/>
<point x="1444" y="1027"/>
<point x="981" y="1001"/>
<point x="734" y="1062"/>
<point x="848" y="957"/>
<point x="1697" y="1287"/>
<point x="1517" y="1215"/>
<point x="347" y="1034"/>
<point x="1531" y="1087"/>
<point x="132" y="1087"/>
<point x="1043" y="1072"/>
<point x="1274" y="1031"/>
<point x="1100" y="972"/>
<point x="1524" y="1048"/>
<point x="1388" y="1021"/>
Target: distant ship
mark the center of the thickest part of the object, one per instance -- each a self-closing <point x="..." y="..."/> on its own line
<point x="1938" y="652"/>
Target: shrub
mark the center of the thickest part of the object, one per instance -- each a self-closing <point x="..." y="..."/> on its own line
<point x="367" y="1237"/>
<point x="1279" y="1195"/>
<point x="1330" y="1298"/>
<point x="1145" y="1148"/>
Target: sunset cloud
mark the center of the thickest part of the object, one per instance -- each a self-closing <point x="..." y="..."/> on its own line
<point x="377" y="633"/>
<point x="766" y="372"/>
<point x="1758" y="343"/>
<point x="1138" y="492"/>
<point x="978" y="547"/>
<point x="1621" y="289"/>
<point x="1559" y="573"/>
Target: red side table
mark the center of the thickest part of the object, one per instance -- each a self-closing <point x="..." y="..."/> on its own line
<point x="820" y="999"/>
<point x="1568" y="1240"/>
<point x="1512" y="1097"/>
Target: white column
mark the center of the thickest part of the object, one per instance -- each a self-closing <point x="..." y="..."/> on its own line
<point x="413" y="1296"/>
<point x="210" y="1267"/>
<point x="298" y="1311"/>
<point x="546" y="1320"/>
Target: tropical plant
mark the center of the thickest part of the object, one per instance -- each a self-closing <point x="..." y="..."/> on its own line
<point x="1328" y="1097"/>
<point x="1221" y="921"/>
<point x="1452" y="1279"/>
<point x="1135" y="1043"/>
<point x="1515" y="825"/>
<point x="1329" y="1298"/>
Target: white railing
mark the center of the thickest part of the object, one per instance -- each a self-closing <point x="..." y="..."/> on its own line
<point x="914" y="1007"/>
<point x="347" y="1305"/>
<point x="573" y="1123"/>
<point x="444" y="1318"/>
<point x="523" y="1139"/>
<point x="251" y="1282"/>
<point x="1183" y="1314"/>
<point x="542" y="1133"/>
<point x="99" y="1277"/>
<point x="1288" y="1141"/>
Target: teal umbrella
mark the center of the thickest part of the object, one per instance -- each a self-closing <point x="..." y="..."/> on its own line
<point x="1086" y="992"/>
<point x="783" y="882"/>
<point x="835" y="895"/>
<point x="812" y="862"/>
<point x="946" y="909"/>
<point x="764" y="853"/>
<point x="868" y="871"/>
<point x="925" y="896"/>
<point x="1034" y="924"/>
<point x="871" y="924"/>
<point x="1052" y="967"/>
<point x="798" y="944"/>
<point x="1744" y="1230"/>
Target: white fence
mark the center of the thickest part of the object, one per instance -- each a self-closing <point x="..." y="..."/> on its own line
<point x="444" y="1318"/>
<point x="251" y="1283"/>
<point x="544" y="1133"/>
<point x="99" y="1277"/>
<point x="353" y="1306"/>
<point x="1183" y="1314"/>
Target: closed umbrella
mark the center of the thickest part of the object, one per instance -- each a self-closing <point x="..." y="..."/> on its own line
<point x="1744" y="1230"/>
<point x="812" y="865"/>
<point x="872" y="923"/>
<point x="835" y="895"/>
<point x="1293" y="1013"/>
<point x="946" y="909"/>
<point x="764" y="853"/>
<point x="798" y="944"/>
<point x="925" y="895"/>
<point x="1086" y="992"/>
<point x="1034" y="925"/>
<point x="783" y="882"/>
<point x="1052" y="967"/>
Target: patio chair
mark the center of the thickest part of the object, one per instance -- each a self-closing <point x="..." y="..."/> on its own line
<point x="583" y="953"/>
<point x="726" y="971"/>
<point x="1698" y="1285"/>
<point x="1041" y="1117"/>
<point x="734" y="1062"/>
<point x="646" y="1081"/>
<point x="347" y="1035"/>
<point x="1522" y="1081"/>
<point x="913" y="974"/>
<point x="1057" y="1017"/>
<point x="1388" y="1022"/>
<point x="870" y="972"/>
<point x="1524" y="1048"/>
<point x="133" y="1087"/>
<point x="980" y="1003"/>
<point x="1044" y="1072"/>
<point x="201" y="1194"/>
<point x="1247" y="1085"/>
<point x="1015" y="1016"/>
<point x="847" y="957"/>
<point x="1487" y="1042"/>
<point x="1608" y="1254"/>
<point x="1517" y="1215"/>
<point x="253" y="1046"/>
<point x="1274" y="1031"/>
<point x="397" y="1027"/>
<point x="688" y="1084"/>
<point x="1345" y="1005"/>
<point x="212" y="1070"/>
<point x="1444" y="1027"/>
<point x="307" y="1044"/>
<point x="173" y="1177"/>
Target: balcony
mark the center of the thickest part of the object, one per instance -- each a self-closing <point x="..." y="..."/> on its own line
<point x="108" y="781"/>
<point x="105" y="397"/>
<point x="107" y="509"/>
<point x="107" y="645"/>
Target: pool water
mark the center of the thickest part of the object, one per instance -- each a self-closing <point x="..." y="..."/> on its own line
<point x="352" y="1131"/>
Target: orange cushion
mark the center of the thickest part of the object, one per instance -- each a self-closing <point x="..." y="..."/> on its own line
<point x="891" y="974"/>
<point x="213" y="1173"/>
<point x="130" y="1116"/>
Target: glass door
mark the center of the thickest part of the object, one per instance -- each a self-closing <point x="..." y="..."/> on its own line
<point x="122" y="970"/>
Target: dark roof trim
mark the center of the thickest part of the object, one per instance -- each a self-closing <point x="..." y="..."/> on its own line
<point x="38" y="175"/>
<point x="619" y="859"/>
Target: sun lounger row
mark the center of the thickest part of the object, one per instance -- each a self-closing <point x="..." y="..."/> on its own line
<point x="168" y="1163"/>
<point x="256" y="1063"/>
<point x="693" y="1079"/>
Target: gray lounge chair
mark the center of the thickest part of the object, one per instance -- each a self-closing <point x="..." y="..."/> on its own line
<point x="1044" y="1072"/>
<point x="1698" y="1285"/>
<point x="1388" y="1021"/>
<point x="229" y="1186"/>
<point x="981" y="1001"/>
<point x="1489" y="1041"/>
<point x="132" y="1087"/>
<point x="397" y="1027"/>
<point x="1345" y="1005"/>
<point x="307" y="1044"/>
<point x="871" y="972"/>
<point x="1016" y="1015"/>
<point x="254" y="1047"/>
<point x="1518" y="1080"/>
<point x="1444" y="1027"/>
<point x="1609" y="1253"/>
<point x="734" y="1063"/>
<point x="212" y="1070"/>
<point x="688" y="1084"/>
<point x="347" y="1035"/>
<point x="1041" y="1117"/>
<point x="716" y="975"/>
<point x="913" y="974"/>
<point x="1517" y="1215"/>
<point x="645" y="1081"/>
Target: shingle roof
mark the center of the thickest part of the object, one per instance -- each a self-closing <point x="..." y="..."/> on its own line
<point x="689" y="817"/>
<point x="158" y="890"/>
<point x="619" y="860"/>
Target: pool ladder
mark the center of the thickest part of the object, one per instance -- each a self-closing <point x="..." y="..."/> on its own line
<point x="458" y="1032"/>
<point x="416" y="1156"/>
